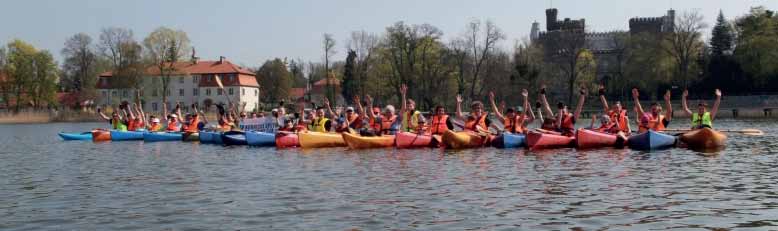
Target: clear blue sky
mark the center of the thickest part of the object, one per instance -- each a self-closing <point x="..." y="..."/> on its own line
<point x="249" y="32"/>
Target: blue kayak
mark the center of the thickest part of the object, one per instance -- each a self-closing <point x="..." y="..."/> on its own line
<point x="126" y="135"/>
<point x="234" y="138"/>
<point x="76" y="136"/>
<point x="263" y="139"/>
<point x="651" y="140"/>
<point x="162" y="136"/>
<point x="210" y="137"/>
<point x="507" y="140"/>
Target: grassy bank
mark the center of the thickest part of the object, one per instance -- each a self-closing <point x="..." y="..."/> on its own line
<point x="31" y="117"/>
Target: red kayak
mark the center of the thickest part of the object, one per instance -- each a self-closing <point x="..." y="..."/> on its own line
<point x="412" y="140"/>
<point x="287" y="140"/>
<point x="586" y="138"/>
<point x="537" y="140"/>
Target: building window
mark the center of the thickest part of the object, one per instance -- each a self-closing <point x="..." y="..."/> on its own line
<point x="231" y="92"/>
<point x="219" y="91"/>
<point x="181" y="92"/>
<point x="167" y="92"/>
<point x="125" y="93"/>
<point x="140" y="92"/>
<point x="195" y="91"/>
<point x="105" y="94"/>
<point x="181" y="79"/>
<point x="154" y="92"/>
<point x="154" y="107"/>
<point x="243" y="91"/>
<point x="208" y="91"/>
<point x="256" y="92"/>
<point x="114" y="93"/>
<point x="195" y="79"/>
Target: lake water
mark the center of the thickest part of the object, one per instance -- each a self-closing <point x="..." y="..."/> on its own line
<point x="50" y="184"/>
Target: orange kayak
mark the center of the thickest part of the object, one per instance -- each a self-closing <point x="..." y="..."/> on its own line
<point x="101" y="135"/>
<point x="355" y="141"/>
<point x="320" y="140"/>
<point x="287" y="140"/>
<point x="537" y="140"/>
<point x="586" y="138"/>
<point x="462" y="140"/>
<point x="412" y="140"/>
<point x="704" y="138"/>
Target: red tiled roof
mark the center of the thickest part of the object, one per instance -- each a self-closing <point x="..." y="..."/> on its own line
<point x="199" y="68"/>
<point x="323" y="82"/>
<point x="229" y="80"/>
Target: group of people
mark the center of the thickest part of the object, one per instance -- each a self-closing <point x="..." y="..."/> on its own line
<point x="376" y="121"/>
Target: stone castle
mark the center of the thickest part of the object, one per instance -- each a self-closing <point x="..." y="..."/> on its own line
<point x="560" y="34"/>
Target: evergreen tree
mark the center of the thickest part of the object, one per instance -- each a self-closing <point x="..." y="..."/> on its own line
<point x="349" y="81"/>
<point x="723" y="37"/>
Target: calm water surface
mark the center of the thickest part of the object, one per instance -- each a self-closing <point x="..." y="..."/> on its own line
<point x="49" y="184"/>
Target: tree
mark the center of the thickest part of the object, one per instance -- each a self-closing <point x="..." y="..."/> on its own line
<point x="44" y="82"/>
<point x="32" y="75"/>
<point x="565" y="49"/>
<point x="527" y="65"/>
<point x="757" y="44"/>
<point x="365" y="45"/>
<point x="329" y="44"/>
<point x="276" y="80"/>
<point x="80" y="68"/>
<point x="164" y="48"/>
<point x="722" y="37"/>
<point x="350" y="83"/>
<point x="480" y="48"/>
<point x="123" y="53"/>
<point x="685" y="46"/>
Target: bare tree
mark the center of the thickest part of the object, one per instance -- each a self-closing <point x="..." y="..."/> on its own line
<point x="364" y="44"/>
<point x="480" y="48"/>
<point x="329" y="45"/>
<point x="565" y="49"/>
<point x="111" y="40"/>
<point x="80" y="64"/>
<point x="164" y="48"/>
<point x="685" y="44"/>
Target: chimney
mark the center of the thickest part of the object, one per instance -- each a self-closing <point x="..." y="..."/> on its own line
<point x="221" y="59"/>
<point x="194" y="56"/>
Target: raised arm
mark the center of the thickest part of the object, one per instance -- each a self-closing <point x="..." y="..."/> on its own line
<point x="141" y="113"/>
<point x="544" y="101"/>
<point x="200" y="113"/>
<point x="494" y="107"/>
<point x="332" y="113"/>
<point x="579" y="107"/>
<point x="100" y="113"/>
<point x="460" y="116"/>
<point x="369" y="101"/>
<point x="685" y="104"/>
<point x="668" y="106"/>
<point x="604" y="101"/>
<point x="715" y="105"/>
<point x="636" y="99"/>
<point x="540" y="112"/>
<point x="528" y="108"/>
<point x="130" y="111"/>
<point x="178" y="112"/>
<point x="403" y="92"/>
<point x="360" y="110"/>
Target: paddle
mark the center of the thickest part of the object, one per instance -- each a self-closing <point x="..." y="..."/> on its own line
<point x="749" y="131"/>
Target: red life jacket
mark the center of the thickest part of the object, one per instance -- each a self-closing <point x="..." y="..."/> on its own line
<point x="472" y="123"/>
<point x="439" y="126"/>
<point x="172" y="126"/>
<point x="620" y="117"/>
<point x="515" y="124"/>
<point x="568" y="126"/>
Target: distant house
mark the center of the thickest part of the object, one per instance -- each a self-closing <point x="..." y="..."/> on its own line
<point x="192" y="83"/>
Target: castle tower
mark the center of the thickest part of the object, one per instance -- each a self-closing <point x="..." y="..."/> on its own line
<point x="533" y="34"/>
<point x="551" y="19"/>
<point x="668" y="24"/>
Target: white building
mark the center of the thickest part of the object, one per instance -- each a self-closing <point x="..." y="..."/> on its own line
<point x="193" y="83"/>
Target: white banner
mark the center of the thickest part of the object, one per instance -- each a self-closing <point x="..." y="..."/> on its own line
<point x="264" y="124"/>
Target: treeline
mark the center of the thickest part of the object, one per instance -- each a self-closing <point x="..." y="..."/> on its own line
<point x="739" y="58"/>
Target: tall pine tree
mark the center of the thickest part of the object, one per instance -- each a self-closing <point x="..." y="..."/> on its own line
<point x="723" y="37"/>
<point x="350" y="83"/>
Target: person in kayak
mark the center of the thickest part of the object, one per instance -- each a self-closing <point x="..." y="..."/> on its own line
<point x="319" y="122"/>
<point x="546" y="124"/>
<point x="703" y="118"/>
<point x="654" y="120"/>
<point x="387" y="122"/>
<point x="154" y="125"/>
<point x="173" y="121"/>
<point x="440" y="122"/>
<point x="617" y="113"/>
<point x="115" y="120"/>
<point x="565" y="121"/>
<point x="515" y="121"/>
<point x="477" y="121"/>
<point x="412" y="119"/>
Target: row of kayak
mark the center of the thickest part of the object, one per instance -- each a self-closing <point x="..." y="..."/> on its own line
<point x="584" y="139"/>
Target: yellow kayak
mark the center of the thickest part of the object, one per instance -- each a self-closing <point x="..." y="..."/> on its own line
<point x="704" y="138"/>
<point x="461" y="140"/>
<point x="320" y="140"/>
<point x="355" y="141"/>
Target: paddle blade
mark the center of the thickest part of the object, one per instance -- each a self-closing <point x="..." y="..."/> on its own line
<point x="218" y="81"/>
<point x="752" y="132"/>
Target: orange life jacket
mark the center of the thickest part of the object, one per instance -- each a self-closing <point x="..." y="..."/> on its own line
<point x="353" y="121"/>
<point x="155" y="127"/>
<point x="192" y="127"/>
<point x="621" y="118"/>
<point x="472" y="123"/>
<point x="138" y="125"/>
<point x="654" y="123"/>
<point x="386" y="124"/>
<point x="515" y="124"/>
<point x="374" y="126"/>
<point x="568" y="126"/>
<point x="439" y="125"/>
<point x="131" y="125"/>
<point x="172" y="126"/>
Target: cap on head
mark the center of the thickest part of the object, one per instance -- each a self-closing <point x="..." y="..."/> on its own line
<point x="155" y="120"/>
<point x="389" y="108"/>
<point x="350" y="109"/>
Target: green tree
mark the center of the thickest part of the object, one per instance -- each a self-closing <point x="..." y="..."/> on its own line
<point x="275" y="80"/>
<point x="164" y="48"/>
<point x="722" y="37"/>
<point x="32" y="75"/>
<point x="350" y="83"/>
<point x="44" y="82"/>
<point x="757" y="44"/>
